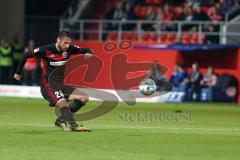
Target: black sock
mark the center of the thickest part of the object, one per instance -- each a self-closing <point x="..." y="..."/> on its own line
<point x="76" y="105"/>
<point x="59" y="119"/>
<point x="67" y="115"/>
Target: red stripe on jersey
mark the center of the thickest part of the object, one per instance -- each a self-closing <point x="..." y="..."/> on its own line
<point x="48" y="88"/>
<point x="57" y="57"/>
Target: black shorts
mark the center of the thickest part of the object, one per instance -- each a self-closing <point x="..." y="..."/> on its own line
<point x="53" y="88"/>
<point x="53" y="95"/>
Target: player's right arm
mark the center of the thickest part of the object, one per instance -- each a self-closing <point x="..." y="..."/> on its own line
<point x="38" y="53"/>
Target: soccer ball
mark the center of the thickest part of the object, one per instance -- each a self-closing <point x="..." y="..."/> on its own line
<point x="147" y="87"/>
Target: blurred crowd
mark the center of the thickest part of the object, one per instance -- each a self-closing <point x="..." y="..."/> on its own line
<point x="193" y="83"/>
<point x="168" y="11"/>
<point x="10" y="55"/>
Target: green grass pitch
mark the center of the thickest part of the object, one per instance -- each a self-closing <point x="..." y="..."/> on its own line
<point x="187" y="131"/>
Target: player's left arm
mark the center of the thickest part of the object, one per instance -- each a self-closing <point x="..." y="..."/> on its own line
<point x="18" y="74"/>
<point x="38" y="53"/>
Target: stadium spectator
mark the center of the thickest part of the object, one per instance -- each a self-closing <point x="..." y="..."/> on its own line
<point x="211" y="38"/>
<point x="6" y="62"/>
<point x="189" y="3"/>
<point x="189" y="14"/>
<point x="179" y="77"/>
<point x="174" y="75"/>
<point x="221" y="8"/>
<point x="30" y="67"/>
<point x="193" y="90"/>
<point x="199" y="15"/>
<point x="128" y="16"/>
<point x="167" y="14"/>
<point x="179" y="14"/>
<point x="202" y="2"/>
<point x="226" y="3"/>
<point x="173" y="10"/>
<point x="210" y="79"/>
<point x="117" y="13"/>
<point x="235" y="4"/>
<point x="214" y="15"/>
<point x="150" y="17"/>
<point x="158" y="18"/>
<point x="188" y="11"/>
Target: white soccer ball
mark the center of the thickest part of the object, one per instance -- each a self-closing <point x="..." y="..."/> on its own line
<point x="147" y="87"/>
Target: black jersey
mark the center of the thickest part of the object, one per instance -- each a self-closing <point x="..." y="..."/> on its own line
<point x="51" y="57"/>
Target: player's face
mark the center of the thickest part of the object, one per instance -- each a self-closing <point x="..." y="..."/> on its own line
<point x="64" y="43"/>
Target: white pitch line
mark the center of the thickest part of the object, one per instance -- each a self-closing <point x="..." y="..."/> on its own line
<point x="25" y="124"/>
<point x="213" y="122"/>
<point x="128" y="127"/>
<point x="169" y="128"/>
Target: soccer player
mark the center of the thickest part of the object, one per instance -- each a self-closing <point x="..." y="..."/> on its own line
<point x="55" y="56"/>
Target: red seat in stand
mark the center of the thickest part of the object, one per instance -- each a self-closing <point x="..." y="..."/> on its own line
<point x="112" y="36"/>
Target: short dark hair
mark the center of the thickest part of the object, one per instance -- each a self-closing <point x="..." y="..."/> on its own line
<point x="180" y="65"/>
<point x="63" y="34"/>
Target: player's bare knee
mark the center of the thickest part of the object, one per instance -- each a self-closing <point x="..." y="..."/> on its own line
<point x="84" y="99"/>
<point x="62" y="103"/>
